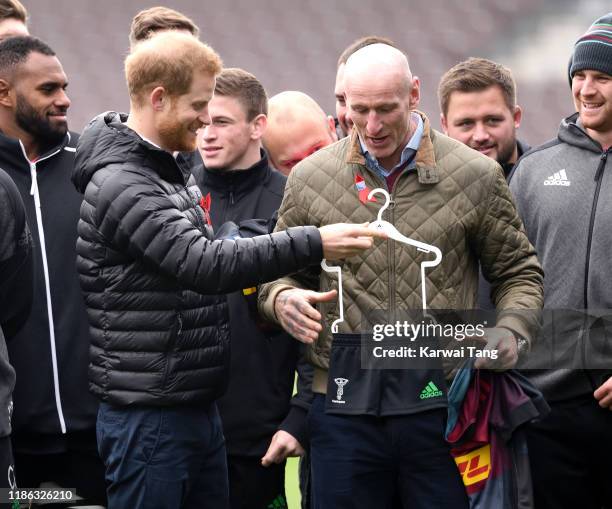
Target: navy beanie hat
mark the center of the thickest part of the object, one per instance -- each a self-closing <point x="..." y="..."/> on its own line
<point x="593" y="51"/>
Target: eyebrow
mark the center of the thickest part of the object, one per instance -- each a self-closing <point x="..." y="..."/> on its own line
<point x="52" y="83"/>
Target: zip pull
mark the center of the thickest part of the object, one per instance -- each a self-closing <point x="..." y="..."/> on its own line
<point x="602" y="165"/>
<point x="231" y="197"/>
<point x="180" y="324"/>
<point x="34" y="188"/>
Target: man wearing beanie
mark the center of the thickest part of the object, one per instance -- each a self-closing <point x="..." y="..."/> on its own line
<point x="562" y="193"/>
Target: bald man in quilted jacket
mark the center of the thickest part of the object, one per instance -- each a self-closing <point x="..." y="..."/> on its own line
<point x="444" y="194"/>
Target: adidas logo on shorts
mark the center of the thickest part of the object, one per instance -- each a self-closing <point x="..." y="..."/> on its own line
<point x="557" y="179"/>
<point x="431" y="391"/>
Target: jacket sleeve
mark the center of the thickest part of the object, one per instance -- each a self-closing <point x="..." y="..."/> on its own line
<point x="16" y="264"/>
<point x="509" y="261"/>
<point x="290" y="215"/>
<point x="296" y="421"/>
<point x="139" y="217"/>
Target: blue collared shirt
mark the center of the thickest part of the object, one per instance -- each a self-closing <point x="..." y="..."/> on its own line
<point x="407" y="157"/>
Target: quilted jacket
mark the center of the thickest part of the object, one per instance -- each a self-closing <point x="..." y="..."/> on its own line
<point x="152" y="275"/>
<point x="456" y="199"/>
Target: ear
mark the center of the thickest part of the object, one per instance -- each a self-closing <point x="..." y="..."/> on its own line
<point x="6" y="98"/>
<point x="158" y="99"/>
<point x="444" y="124"/>
<point x="258" y="126"/>
<point x="518" y="115"/>
<point x="331" y="124"/>
<point x="415" y="93"/>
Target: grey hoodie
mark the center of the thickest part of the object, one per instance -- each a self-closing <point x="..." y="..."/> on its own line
<point x="562" y="192"/>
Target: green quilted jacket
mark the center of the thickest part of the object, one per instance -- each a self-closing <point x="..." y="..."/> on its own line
<point x="456" y="199"/>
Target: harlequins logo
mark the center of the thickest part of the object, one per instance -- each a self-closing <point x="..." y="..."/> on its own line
<point x="431" y="391"/>
<point x="340" y="382"/>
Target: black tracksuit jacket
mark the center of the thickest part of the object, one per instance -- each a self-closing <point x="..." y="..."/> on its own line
<point x="263" y="357"/>
<point x="50" y="352"/>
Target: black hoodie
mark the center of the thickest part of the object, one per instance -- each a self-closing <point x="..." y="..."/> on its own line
<point x="152" y="275"/>
<point x="49" y="353"/>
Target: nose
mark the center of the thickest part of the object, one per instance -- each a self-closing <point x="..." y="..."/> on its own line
<point x="373" y="124"/>
<point x="348" y="119"/>
<point x="62" y="100"/>
<point x="208" y="132"/>
<point x="587" y="87"/>
<point x="204" y="116"/>
<point x="480" y="133"/>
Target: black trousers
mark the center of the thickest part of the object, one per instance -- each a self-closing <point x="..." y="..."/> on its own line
<point x="253" y="486"/>
<point x="571" y="456"/>
<point x="366" y="462"/>
<point x="7" y="468"/>
<point x="82" y="470"/>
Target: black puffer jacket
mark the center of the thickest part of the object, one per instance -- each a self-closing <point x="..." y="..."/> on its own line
<point x="150" y="272"/>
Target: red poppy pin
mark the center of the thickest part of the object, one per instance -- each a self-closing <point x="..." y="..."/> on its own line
<point x="205" y="202"/>
<point x="362" y="189"/>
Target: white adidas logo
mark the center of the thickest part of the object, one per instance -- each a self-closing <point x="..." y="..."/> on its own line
<point x="557" y="179"/>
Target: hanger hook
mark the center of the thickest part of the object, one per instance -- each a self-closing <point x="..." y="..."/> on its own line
<point x="385" y="193"/>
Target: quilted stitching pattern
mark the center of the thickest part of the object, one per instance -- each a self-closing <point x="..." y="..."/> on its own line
<point x="469" y="214"/>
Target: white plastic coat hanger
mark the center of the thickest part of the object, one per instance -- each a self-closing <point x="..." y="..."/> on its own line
<point x="338" y="271"/>
<point x="393" y="233"/>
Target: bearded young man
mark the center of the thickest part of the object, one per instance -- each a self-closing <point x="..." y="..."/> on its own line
<point x="478" y="108"/>
<point x="153" y="277"/>
<point x="54" y="420"/>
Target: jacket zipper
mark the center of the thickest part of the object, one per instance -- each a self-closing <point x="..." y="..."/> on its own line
<point x="170" y="352"/>
<point x="598" y="180"/>
<point x="43" y="251"/>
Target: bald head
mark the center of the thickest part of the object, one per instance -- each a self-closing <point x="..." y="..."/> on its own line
<point x="297" y="127"/>
<point x="288" y="107"/>
<point x="380" y="61"/>
<point x="380" y="95"/>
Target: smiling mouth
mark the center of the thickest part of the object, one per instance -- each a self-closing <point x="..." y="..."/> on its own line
<point x="591" y="106"/>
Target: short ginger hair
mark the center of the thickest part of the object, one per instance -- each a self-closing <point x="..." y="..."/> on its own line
<point x="168" y="60"/>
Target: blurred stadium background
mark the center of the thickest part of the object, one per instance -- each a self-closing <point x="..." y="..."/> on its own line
<point x="294" y="45"/>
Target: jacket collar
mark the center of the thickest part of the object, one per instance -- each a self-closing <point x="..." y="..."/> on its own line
<point x="238" y="179"/>
<point x="425" y="158"/>
<point x="13" y="156"/>
<point x="572" y="132"/>
<point x="168" y="167"/>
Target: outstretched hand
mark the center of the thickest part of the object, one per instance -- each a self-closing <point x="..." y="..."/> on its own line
<point x="296" y="312"/>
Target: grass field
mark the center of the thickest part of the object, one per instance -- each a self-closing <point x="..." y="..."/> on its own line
<point x="292" y="486"/>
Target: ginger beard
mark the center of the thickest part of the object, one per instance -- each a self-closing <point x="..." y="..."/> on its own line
<point x="177" y="135"/>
